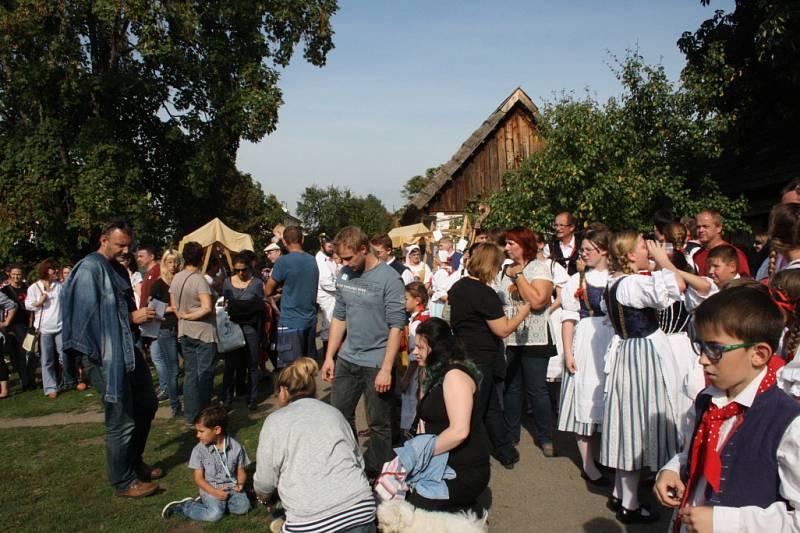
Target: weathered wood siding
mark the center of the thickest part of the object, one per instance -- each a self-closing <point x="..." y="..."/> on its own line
<point x="513" y="141"/>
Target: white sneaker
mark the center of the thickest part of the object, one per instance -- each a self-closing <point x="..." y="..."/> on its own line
<point x="173" y="508"/>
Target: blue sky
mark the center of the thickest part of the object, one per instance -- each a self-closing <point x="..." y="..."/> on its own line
<point x="409" y="81"/>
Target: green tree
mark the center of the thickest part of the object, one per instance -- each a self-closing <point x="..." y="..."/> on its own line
<point x="137" y="109"/>
<point x="329" y="210"/>
<point x="613" y="162"/>
<point x="743" y="68"/>
<point x="415" y="184"/>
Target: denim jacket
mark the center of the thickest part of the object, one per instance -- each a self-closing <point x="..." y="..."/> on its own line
<point x="95" y="320"/>
<point x="425" y="473"/>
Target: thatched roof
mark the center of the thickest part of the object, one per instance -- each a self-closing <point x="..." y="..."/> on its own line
<point x="479" y="136"/>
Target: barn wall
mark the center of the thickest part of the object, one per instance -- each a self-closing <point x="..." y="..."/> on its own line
<point x="513" y="141"/>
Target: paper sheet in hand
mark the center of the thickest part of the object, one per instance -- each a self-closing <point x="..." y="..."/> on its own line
<point x="152" y="327"/>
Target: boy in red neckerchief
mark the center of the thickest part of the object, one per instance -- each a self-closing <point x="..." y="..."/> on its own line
<point x="740" y="470"/>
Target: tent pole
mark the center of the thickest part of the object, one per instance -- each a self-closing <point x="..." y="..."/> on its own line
<point x="207" y="257"/>
<point x="228" y="256"/>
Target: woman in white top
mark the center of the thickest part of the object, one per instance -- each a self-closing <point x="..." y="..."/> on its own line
<point x="43" y="298"/>
<point x="531" y="345"/>
<point x="586" y="333"/>
<point x="418" y="268"/>
<point x="640" y="419"/>
<point x="128" y="260"/>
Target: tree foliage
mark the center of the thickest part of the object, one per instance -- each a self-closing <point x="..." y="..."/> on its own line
<point x="415" y="184"/>
<point x="618" y="161"/>
<point x="137" y="109"/>
<point x="743" y="67"/>
<point x="329" y="210"/>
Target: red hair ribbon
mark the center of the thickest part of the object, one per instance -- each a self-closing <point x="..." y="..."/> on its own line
<point x="780" y="298"/>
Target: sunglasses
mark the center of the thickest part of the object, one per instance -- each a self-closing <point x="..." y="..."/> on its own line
<point x="238" y="270"/>
<point x="714" y="351"/>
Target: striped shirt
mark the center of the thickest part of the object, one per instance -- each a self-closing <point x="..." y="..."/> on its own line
<point x="360" y="514"/>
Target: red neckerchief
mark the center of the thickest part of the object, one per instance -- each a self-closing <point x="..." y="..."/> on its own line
<point x="705" y="457"/>
<point x="420" y="315"/>
<point x="645" y="273"/>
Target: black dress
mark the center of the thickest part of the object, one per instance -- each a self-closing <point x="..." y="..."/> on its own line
<point x="470" y="459"/>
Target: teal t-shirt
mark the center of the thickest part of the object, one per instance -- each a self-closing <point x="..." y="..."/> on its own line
<point x="298" y="274"/>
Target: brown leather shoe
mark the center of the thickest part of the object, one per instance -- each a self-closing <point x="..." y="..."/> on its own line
<point x="139" y="489"/>
<point x="149" y="473"/>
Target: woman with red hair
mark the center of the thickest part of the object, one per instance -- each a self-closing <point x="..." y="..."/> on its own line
<point x="530" y="346"/>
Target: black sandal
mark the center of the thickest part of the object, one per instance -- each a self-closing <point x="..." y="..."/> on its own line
<point x="636" y="517"/>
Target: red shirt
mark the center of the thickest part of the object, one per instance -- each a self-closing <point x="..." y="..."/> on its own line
<point x="147" y="284"/>
<point x="701" y="258"/>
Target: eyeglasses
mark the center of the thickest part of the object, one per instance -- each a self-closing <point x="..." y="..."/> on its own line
<point x="238" y="270"/>
<point x="714" y="351"/>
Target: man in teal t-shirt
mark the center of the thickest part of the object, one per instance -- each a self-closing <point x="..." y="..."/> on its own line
<point x="297" y="273"/>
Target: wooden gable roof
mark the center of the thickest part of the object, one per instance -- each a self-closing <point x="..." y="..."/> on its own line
<point x="508" y="150"/>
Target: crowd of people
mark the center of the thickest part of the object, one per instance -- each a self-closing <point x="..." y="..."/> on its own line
<point x="675" y="363"/>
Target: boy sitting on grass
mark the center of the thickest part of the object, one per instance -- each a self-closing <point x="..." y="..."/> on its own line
<point x="218" y="462"/>
<point x="740" y="471"/>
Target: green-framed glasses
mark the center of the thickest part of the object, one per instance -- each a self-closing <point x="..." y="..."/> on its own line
<point x="714" y="351"/>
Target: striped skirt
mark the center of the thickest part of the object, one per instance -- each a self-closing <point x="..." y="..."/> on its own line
<point x="639" y="426"/>
<point x="566" y="414"/>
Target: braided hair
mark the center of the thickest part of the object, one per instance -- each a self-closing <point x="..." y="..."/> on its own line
<point x="621" y="244"/>
<point x="785" y="289"/>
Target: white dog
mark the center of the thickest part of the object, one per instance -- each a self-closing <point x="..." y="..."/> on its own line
<point x="399" y="516"/>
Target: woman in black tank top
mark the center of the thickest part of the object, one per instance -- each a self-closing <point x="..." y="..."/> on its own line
<point x="449" y="410"/>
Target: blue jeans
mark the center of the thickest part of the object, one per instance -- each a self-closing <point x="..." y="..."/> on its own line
<point x="349" y="382"/>
<point x="198" y="375"/>
<point x="532" y="372"/>
<point x="210" y="509"/>
<point x="164" y="353"/>
<point x="127" y="421"/>
<point x="50" y="352"/>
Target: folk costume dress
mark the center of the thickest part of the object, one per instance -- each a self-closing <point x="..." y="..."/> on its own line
<point x="640" y="424"/>
<point x="581" y="399"/>
<point x="674" y="322"/>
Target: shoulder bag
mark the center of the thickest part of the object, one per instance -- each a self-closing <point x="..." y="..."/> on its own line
<point x="31" y="341"/>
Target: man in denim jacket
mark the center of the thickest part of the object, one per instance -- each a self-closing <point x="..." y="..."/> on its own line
<point x="99" y="319"/>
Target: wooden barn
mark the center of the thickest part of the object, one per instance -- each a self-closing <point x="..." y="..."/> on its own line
<point x="501" y="143"/>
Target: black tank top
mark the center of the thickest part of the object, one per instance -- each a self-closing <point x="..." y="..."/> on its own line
<point x="431" y="409"/>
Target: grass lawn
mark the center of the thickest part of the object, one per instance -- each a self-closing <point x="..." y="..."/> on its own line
<point x="56" y="480"/>
<point x="34" y="403"/>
